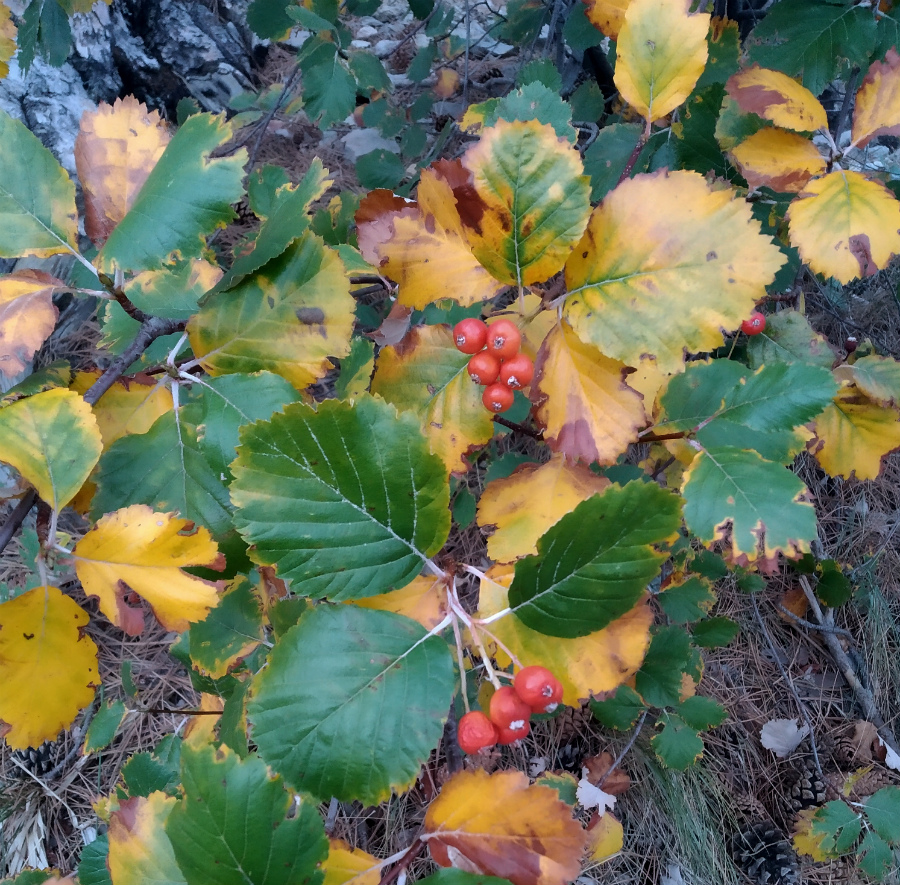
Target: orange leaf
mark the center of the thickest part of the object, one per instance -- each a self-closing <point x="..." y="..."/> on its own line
<point x="607" y="15"/>
<point x="499" y="825"/>
<point x="877" y="110"/>
<point x="447" y="83"/>
<point x="27" y="316"/>
<point x="783" y="161"/>
<point x="775" y="96"/>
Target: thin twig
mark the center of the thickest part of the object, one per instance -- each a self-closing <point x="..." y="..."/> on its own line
<point x="841" y="119"/>
<point x="632" y="159"/>
<point x="534" y="434"/>
<point x="624" y="751"/>
<point x="414" y="851"/>
<point x="16" y="518"/>
<point x="822" y="628"/>
<point x="451" y="742"/>
<point x="129" y="307"/>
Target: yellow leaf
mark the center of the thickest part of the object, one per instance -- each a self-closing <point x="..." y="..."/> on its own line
<point x="845" y="226"/>
<point x="139" y="849"/>
<point x="499" y="825"/>
<point x="138" y="549"/>
<point x="537" y="328"/>
<point x="587" y="665"/>
<point x="27" y="316"/>
<point x="115" y="151"/>
<point x="43" y="648"/>
<point x="425" y="374"/>
<point x="805" y="842"/>
<point x="607" y="15"/>
<point x="877" y="109"/>
<point x="52" y="439"/>
<point x="853" y="434"/>
<point x="447" y="83"/>
<point x="660" y="55"/>
<point x="509" y="504"/>
<point x="783" y="161"/>
<point x="131" y="405"/>
<point x="7" y="40"/>
<point x="201" y="728"/>
<point x="424" y="600"/>
<point x="422" y="246"/>
<point x="665" y="265"/>
<point x="344" y="864"/>
<point x="582" y="401"/>
<point x="605" y="838"/>
<point x="775" y="96"/>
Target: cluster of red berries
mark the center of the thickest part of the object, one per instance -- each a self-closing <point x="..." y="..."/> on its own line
<point x="534" y="690"/>
<point x="496" y="362"/>
<point x="754" y="324"/>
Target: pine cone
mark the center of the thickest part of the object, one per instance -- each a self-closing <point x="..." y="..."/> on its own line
<point x="805" y="788"/>
<point x="38" y="760"/>
<point x="765" y="855"/>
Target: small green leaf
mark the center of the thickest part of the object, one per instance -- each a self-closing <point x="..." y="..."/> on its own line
<point x="883" y="810"/>
<point x="833" y="588"/>
<point x="464" y="506"/>
<point x="710" y="565"/>
<point x="356" y="370"/>
<point x="724" y="53"/>
<point x="607" y="158"/>
<point x="369" y="72"/>
<point x="578" y="31"/>
<point x="458" y="877"/>
<point x="564" y="783"/>
<point x="329" y="89"/>
<point x="540" y="70"/>
<point x="144" y="774"/>
<point x="308" y="19"/>
<point x="838" y="825"/>
<point x="285" y="613"/>
<point x="620" y="711"/>
<point x="659" y="679"/>
<point x="678" y="745"/>
<point x="535" y="101"/>
<point x="380" y="168"/>
<point x="92" y="868"/>
<point x="701" y="713"/>
<point x="687" y="602"/>
<point x="104" y="726"/>
<point x="874" y="857"/>
<point x="269" y="19"/>
<point x="788" y="338"/>
<point x="715" y="632"/>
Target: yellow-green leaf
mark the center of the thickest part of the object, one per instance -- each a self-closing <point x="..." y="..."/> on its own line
<point x="345" y="863"/>
<point x="530" y="203"/>
<point x="666" y="264"/>
<point x="138" y="549"/>
<point x="424" y="600"/>
<point x="660" y="55"/>
<point x="877" y="108"/>
<point x="845" y="226"/>
<point x="7" y="40"/>
<point x="42" y="644"/>
<point x="783" y="161"/>
<point x="116" y="149"/>
<point x="582" y="400"/>
<point x="775" y="96"/>
<point x="52" y="439"/>
<point x="854" y="434"/>
<point x="422" y="246"/>
<point x="426" y="374"/>
<point x="139" y="849"/>
<point x="27" y="317"/>
<point x="878" y="377"/>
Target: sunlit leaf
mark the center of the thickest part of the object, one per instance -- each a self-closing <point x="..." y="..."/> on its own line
<point x="42" y="642"/>
<point x="530" y="203"/>
<point x="139" y="850"/>
<point x="344" y="863"/>
<point x="27" y="316"/>
<point x="506" y="510"/>
<point x="660" y="54"/>
<point x="783" y="161"/>
<point x="665" y="265"/>
<point x="500" y="825"/>
<point x="605" y="839"/>
<point x="877" y="108"/>
<point x="424" y="600"/>
<point x="52" y="439"/>
<point x="143" y="551"/>
<point x="116" y="149"/>
<point x="582" y="399"/>
<point x="776" y="97"/>
<point x="845" y="225"/>
<point x="607" y="15"/>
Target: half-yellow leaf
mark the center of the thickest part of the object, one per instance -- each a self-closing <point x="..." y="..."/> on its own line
<point x="783" y="161"/>
<point x="775" y="96"/>
<point x="7" y="40"/>
<point x="143" y="551"/>
<point x="660" y="55"/>
<point x="607" y="16"/>
<point x="139" y="849"/>
<point x="845" y="226"/>
<point x="27" y="316"/>
<point x="424" y="600"/>
<point x="43" y="648"/>
<point x="877" y="109"/>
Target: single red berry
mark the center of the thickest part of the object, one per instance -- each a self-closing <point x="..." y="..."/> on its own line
<point x="511" y="735"/>
<point x="497" y="397"/>
<point x="475" y="732"/>
<point x="517" y="371"/>
<point x="851" y="344"/>
<point x="508" y="710"/>
<point x="484" y="368"/>
<point x="539" y="688"/>
<point x="503" y="339"/>
<point x="755" y="324"/>
<point x="470" y="335"/>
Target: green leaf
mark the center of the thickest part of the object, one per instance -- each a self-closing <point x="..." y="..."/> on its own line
<point x="620" y="711"/>
<point x="659" y="680"/>
<point x="459" y="877"/>
<point x="119" y="330"/>
<point x="380" y="168"/>
<point x="55" y="35"/>
<point x="833" y="588"/>
<point x="27" y="35"/>
<point x="92" y="868"/>
<point x="535" y="101"/>
<point x="687" y="602"/>
<point x="329" y="89"/>
<point x="263" y="186"/>
<point x="874" y="857"/>
<point x="37" y="209"/>
<point x="710" y="565"/>
<point x="104" y="726"/>
<point x="233" y="724"/>
<point x="883" y="810"/>
<point x="420" y="66"/>
<point x="760" y="500"/>
<point x="236" y="824"/>
<point x="593" y="565"/>
<point x="285" y="613"/>
<point x="186" y="196"/>
<point x="788" y="338"/>
<point x="540" y="70"/>
<point x="523" y="21"/>
<point x="565" y="784"/>
<point x="724" y="53"/>
<point x="57" y="374"/>
<point x="269" y="19"/>
<point x="347" y="501"/>
<point x="678" y="745"/>
<point x="144" y="774"/>
<point x="605" y="160"/>
<point x="352" y="703"/>
<point x="464" y="506"/>
<point x="308" y="19"/>
<point x="369" y="72"/>
<point x="838" y="826"/>
<point x="173" y="292"/>
<point x="578" y="31"/>
<point x="356" y="370"/>
<point x="701" y="713"/>
<point x="587" y="102"/>
<point x="697" y="148"/>
<point x="818" y="39"/>
<point x="715" y="632"/>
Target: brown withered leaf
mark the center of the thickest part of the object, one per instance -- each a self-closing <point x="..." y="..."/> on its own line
<point x="27" y="316"/>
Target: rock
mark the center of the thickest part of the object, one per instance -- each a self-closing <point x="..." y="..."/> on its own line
<point x="383" y="48"/>
<point x="92" y="54"/>
<point x="360" y="142"/>
<point x="365" y="32"/>
<point x="360" y="44"/>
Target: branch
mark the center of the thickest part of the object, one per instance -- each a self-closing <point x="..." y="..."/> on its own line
<point x="622" y="753"/>
<point x="414" y="851"/>
<point x="633" y="158"/>
<point x="534" y="434"/>
<point x="16" y="518"/>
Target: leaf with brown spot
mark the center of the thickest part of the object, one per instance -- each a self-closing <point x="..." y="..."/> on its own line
<point x="500" y="825"/>
<point x="776" y="97"/>
<point x="783" y="161"/>
<point x="116" y="149"/>
<point x="27" y="317"/>
<point x="877" y="108"/>
<point x="878" y="377"/>
<point x="139" y="849"/>
<point x="607" y="16"/>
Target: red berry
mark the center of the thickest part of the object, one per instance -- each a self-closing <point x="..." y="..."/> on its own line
<point x="508" y="710"/>
<point x="484" y="368"/>
<point x="497" y="397"/>
<point x="503" y="339"/>
<point x="475" y="732"/>
<point x="538" y="688"/>
<point x="511" y="735"/>
<point x="517" y="371"/>
<point x="754" y="325"/>
<point x="470" y="335"/>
